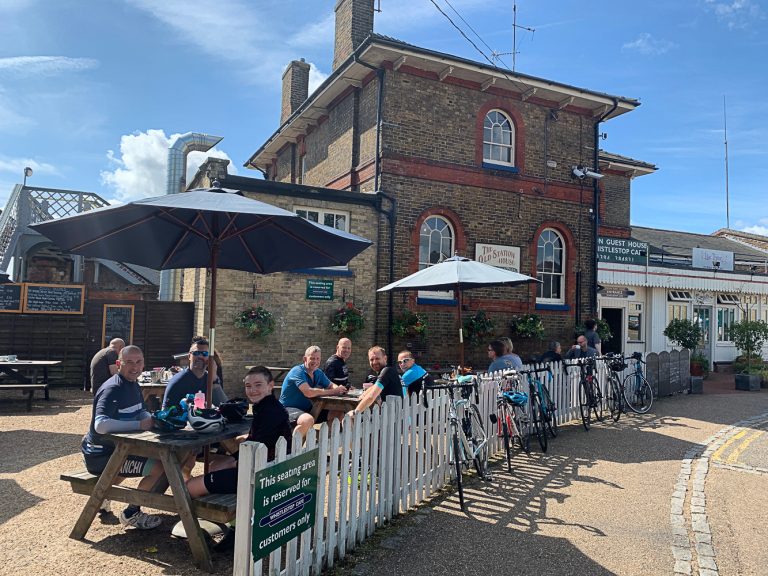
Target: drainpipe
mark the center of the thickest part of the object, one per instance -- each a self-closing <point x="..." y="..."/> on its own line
<point x="176" y="181"/>
<point x="596" y="206"/>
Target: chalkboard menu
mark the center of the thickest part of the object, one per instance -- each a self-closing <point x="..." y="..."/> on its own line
<point x="10" y="298"/>
<point x="53" y="299"/>
<point x="117" y="323"/>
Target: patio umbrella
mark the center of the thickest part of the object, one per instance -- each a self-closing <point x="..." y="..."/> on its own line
<point x="204" y="228"/>
<point x="458" y="273"/>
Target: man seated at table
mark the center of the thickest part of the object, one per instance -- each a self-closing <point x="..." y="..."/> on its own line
<point x="501" y="359"/>
<point x="193" y="379"/>
<point x="581" y="349"/>
<point x="414" y="376"/>
<point x="386" y="381"/>
<point x="118" y="407"/>
<point x="270" y="422"/>
<point x="336" y="366"/>
<point x="302" y="383"/>
<point x="104" y="363"/>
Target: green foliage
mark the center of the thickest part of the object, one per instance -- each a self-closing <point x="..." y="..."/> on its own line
<point x="749" y="336"/>
<point x="700" y="359"/>
<point x="410" y="324"/>
<point x="478" y="327"/>
<point x="347" y="320"/>
<point x="683" y="332"/>
<point x="603" y="330"/>
<point x="527" y="326"/>
<point x="258" y="322"/>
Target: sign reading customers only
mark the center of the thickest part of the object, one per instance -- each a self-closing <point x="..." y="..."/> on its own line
<point x="284" y="502"/>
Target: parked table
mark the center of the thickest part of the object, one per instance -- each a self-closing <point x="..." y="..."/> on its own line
<point x="343" y="403"/>
<point x="170" y="448"/>
<point x="13" y="369"/>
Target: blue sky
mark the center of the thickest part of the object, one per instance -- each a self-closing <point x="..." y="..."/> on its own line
<point x="91" y="92"/>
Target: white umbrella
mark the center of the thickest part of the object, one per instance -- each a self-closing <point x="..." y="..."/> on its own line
<point x="458" y="273"/>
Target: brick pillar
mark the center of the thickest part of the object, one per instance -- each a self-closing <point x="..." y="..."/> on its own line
<point x="295" y="87"/>
<point x="354" y="23"/>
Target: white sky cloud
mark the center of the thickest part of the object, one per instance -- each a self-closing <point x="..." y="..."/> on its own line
<point x="16" y="166"/>
<point x="140" y="168"/>
<point x="762" y="230"/>
<point x="647" y="45"/>
<point x="44" y="65"/>
<point x="736" y="14"/>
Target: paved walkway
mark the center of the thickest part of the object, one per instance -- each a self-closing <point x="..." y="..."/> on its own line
<point x="675" y="491"/>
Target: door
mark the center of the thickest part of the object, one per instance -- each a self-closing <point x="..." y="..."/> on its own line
<point x="702" y="315"/>
<point x="615" y="319"/>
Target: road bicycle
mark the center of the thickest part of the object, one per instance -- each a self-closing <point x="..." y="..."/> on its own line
<point x="469" y="441"/>
<point x="637" y="392"/>
<point x="537" y="411"/>
<point x="590" y="395"/>
<point x="614" y="397"/>
<point x="512" y="417"/>
<point x="549" y="408"/>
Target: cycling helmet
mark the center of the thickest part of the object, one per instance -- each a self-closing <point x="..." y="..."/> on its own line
<point x="207" y="420"/>
<point x="234" y="410"/>
<point x="169" y="419"/>
<point x="517" y="398"/>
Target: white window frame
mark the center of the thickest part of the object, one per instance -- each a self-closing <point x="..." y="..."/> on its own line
<point x="436" y="294"/>
<point x="732" y="311"/>
<point x="679" y="296"/>
<point x="321" y="214"/>
<point x="561" y="297"/>
<point x="727" y="299"/>
<point x="498" y="133"/>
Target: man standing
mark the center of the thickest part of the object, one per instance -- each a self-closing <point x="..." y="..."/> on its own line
<point x="581" y="349"/>
<point x="593" y="339"/>
<point x="194" y="378"/>
<point x="104" y="363"/>
<point x="414" y="376"/>
<point x="303" y="382"/>
<point x="387" y="381"/>
<point x="118" y="407"/>
<point x="336" y="366"/>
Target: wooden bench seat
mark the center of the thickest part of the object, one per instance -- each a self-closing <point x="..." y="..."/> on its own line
<point x="214" y="507"/>
<point x="29" y="389"/>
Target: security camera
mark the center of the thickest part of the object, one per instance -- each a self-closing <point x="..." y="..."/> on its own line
<point x="580" y="172"/>
<point x="590" y="174"/>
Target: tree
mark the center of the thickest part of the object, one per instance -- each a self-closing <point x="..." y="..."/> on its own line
<point x="683" y="332"/>
<point x="749" y="337"/>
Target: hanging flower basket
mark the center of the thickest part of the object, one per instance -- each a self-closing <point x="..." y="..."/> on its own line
<point x="478" y="327"/>
<point x="409" y="324"/>
<point x="258" y="322"/>
<point x="347" y="320"/>
<point x="527" y="326"/>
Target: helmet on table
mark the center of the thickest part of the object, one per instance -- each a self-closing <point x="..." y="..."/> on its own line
<point x="234" y="410"/>
<point x="207" y="420"/>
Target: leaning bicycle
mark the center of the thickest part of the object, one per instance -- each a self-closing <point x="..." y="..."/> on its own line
<point x="536" y="405"/>
<point x="469" y="441"/>
<point x="590" y="396"/>
<point x="614" y="397"/>
<point x="638" y="393"/>
<point x="512" y="417"/>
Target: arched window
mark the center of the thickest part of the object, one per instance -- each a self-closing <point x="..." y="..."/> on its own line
<point x="498" y="139"/>
<point x="436" y="240"/>
<point x="550" y="267"/>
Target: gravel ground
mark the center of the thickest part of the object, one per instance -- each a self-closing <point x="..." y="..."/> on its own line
<point x="39" y="510"/>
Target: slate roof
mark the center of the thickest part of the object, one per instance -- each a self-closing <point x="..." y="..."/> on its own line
<point x="681" y="244"/>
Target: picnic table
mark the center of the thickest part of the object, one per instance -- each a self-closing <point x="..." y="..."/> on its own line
<point x="153" y="393"/>
<point x="170" y="448"/>
<point x="343" y="403"/>
<point x="15" y="379"/>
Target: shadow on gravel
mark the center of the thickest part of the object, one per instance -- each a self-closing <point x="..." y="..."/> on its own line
<point x="23" y="449"/>
<point x="15" y="500"/>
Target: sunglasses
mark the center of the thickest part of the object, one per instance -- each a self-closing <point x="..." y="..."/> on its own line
<point x="203" y="353"/>
<point x="404" y="360"/>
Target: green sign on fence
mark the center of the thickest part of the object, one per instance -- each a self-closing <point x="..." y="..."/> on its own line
<point x="284" y="502"/>
<point x="319" y="289"/>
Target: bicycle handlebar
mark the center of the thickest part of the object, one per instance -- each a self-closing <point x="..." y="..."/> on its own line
<point x="534" y="371"/>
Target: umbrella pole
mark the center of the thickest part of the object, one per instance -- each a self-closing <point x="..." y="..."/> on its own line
<point x="211" y="347"/>
<point x="461" y="327"/>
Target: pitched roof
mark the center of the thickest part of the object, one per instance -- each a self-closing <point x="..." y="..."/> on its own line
<point x="681" y="244"/>
<point x="746" y="238"/>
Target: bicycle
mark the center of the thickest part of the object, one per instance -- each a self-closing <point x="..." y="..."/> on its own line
<point x="513" y="419"/>
<point x="590" y="395"/>
<point x="536" y="402"/>
<point x="615" y="398"/>
<point x="637" y="392"/>
<point x="469" y="442"/>
<point x="548" y="406"/>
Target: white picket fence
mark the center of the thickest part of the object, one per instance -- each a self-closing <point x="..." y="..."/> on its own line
<point x="388" y="460"/>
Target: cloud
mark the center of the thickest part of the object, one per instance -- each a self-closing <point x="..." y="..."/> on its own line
<point x="140" y="169"/>
<point x="16" y="166"/>
<point x="761" y="230"/>
<point x="737" y="14"/>
<point x="44" y="65"/>
<point x="647" y="45"/>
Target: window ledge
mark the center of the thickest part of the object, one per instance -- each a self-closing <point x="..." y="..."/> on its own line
<point x="558" y="307"/>
<point x="322" y="272"/>
<point x="502" y="167"/>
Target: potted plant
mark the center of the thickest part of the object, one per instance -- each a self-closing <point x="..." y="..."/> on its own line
<point x="602" y="328"/>
<point x="409" y="324"/>
<point x="749" y="336"/>
<point x="527" y="326"/>
<point x="347" y="320"/>
<point x="478" y="327"/>
<point x="687" y="334"/>
<point x="257" y="321"/>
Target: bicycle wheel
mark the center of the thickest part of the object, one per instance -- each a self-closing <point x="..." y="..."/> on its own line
<point x="585" y="402"/>
<point x="638" y="393"/>
<point x="551" y="411"/>
<point x="523" y="427"/>
<point x="457" y="461"/>
<point x="537" y="421"/>
<point x="479" y="442"/>
<point x="505" y="431"/>
<point x="597" y="395"/>
<point x="614" y="397"/>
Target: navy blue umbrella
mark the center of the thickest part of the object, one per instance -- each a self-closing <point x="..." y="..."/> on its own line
<point x="205" y="228"/>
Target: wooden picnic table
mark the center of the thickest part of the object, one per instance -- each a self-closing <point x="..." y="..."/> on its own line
<point x="153" y="393"/>
<point x="343" y="403"/>
<point x="13" y="370"/>
<point x="170" y="448"/>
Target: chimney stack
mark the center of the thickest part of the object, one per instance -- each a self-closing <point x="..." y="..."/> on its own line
<point x="354" y="23"/>
<point x="295" y="88"/>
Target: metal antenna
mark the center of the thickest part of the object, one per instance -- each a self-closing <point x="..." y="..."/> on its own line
<point x="495" y="55"/>
<point x="727" y="197"/>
